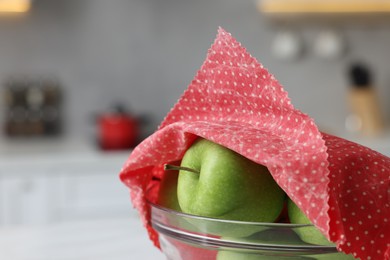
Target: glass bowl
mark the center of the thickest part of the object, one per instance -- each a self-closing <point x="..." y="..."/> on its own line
<point x="183" y="236"/>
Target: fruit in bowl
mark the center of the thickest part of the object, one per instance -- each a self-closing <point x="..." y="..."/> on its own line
<point x="231" y="199"/>
<point x="184" y="237"/>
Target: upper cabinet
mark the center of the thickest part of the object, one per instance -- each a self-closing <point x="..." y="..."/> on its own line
<point x="15" y="6"/>
<point x="324" y="6"/>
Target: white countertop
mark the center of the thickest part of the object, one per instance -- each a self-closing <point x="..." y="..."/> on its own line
<point x="108" y="239"/>
<point x="19" y="155"/>
<point x="36" y="150"/>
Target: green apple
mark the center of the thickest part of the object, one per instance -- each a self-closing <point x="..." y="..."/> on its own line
<point x="309" y="234"/>
<point x="167" y="195"/>
<point x="275" y="236"/>
<point x="224" y="184"/>
<point x="269" y="236"/>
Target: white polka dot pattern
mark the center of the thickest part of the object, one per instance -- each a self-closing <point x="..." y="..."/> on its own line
<point x="234" y="101"/>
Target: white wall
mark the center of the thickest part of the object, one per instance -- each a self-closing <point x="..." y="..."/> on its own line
<point x="146" y="52"/>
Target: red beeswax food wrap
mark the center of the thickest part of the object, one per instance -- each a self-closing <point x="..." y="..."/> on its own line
<point x="234" y="101"/>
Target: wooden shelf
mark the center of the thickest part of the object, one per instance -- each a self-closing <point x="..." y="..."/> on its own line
<point x="324" y="6"/>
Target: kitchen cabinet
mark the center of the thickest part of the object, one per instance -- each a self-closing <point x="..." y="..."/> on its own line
<point x="56" y="187"/>
<point x="91" y="193"/>
<point x="23" y="200"/>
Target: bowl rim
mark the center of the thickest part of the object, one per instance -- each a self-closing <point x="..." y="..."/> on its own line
<point x="226" y="244"/>
<point x="213" y="219"/>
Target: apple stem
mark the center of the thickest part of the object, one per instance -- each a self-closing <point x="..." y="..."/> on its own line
<point x="169" y="167"/>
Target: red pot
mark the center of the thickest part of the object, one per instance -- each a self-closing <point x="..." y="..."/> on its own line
<point x="117" y="131"/>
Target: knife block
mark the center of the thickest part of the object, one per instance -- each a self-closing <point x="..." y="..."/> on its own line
<point x="363" y="100"/>
<point x="365" y="105"/>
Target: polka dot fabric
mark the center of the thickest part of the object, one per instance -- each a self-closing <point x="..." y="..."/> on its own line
<point x="234" y="101"/>
<point x="359" y="199"/>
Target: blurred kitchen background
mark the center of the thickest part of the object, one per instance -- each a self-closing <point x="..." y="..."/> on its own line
<point x="82" y="82"/>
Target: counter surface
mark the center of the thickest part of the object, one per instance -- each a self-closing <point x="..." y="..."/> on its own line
<point x="108" y="239"/>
